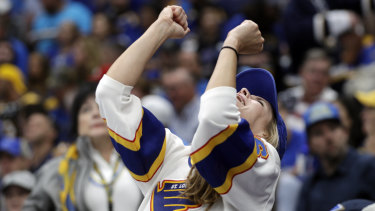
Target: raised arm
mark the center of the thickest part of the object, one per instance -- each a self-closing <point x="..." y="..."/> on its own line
<point x="224" y="148"/>
<point x="136" y="134"/>
<point x="171" y="23"/>
<point x="245" y="39"/>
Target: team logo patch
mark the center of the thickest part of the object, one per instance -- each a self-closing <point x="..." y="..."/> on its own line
<point x="167" y="197"/>
<point x="261" y="149"/>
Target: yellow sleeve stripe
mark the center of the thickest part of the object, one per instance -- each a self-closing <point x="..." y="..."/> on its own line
<point x="206" y="149"/>
<point x="134" y="144"/>
<point x="154" y="167"/>
<point x="248" y="164"/>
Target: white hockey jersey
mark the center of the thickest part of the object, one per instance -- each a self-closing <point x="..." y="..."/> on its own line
<point x="242" y="168"/>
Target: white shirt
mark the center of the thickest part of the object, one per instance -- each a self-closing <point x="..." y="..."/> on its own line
<point x="126" y="194"/>
<point x="242" y="168"/>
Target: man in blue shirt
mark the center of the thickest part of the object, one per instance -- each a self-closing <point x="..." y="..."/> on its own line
<point x="341" y="173"/>
<point x="45" y="26"/>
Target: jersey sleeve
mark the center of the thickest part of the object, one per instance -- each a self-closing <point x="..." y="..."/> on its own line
<point x="228" y="155"/>
<point x="136" y="134"/>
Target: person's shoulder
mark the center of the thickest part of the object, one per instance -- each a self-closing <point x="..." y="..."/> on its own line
<point x="73" y="8"/>
<point x="73" y="5"/>
<point x="291" y="92"/>
<point x="40" y="20"/>
<point x="50" y="169"/>
<point x="362" y="161"/>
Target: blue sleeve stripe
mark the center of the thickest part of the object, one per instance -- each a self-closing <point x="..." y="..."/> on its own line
<point x="206" y="149"/>
<point x="154" y="167"/>
<point x="134" y="144"/>
<point x="144" y="155"/>
<point x="234" y="155"/>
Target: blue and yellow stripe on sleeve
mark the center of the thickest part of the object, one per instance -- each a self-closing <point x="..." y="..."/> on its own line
<point x="230" y="152"/>
<point x="145" y="153"/>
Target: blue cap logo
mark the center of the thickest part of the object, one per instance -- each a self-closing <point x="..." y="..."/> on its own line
<point x="320" y="111"/>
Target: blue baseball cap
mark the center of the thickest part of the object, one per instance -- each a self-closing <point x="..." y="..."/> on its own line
<point x="260" y="82"/>
<point x="11" y="146"/>
<point x="320" y="111"/>
<point x="15" y="147"/>
<point x="354" y="205"/>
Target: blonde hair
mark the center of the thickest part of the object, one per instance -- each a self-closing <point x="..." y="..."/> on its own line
<point x="272" y="135"/>
<point x="197" y="188"/>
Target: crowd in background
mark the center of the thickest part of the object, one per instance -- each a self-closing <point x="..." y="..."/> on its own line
<point x="321" y="50"/>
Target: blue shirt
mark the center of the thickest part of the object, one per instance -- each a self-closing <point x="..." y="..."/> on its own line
<point x="354" y="178"/>
<point x="46" y="26"/>
<point x="295" y="146"/>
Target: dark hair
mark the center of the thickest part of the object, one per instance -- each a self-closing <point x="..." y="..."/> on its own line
<point x="316" y="54"/>
<point x="32" y="109"/>
<point x="28" y="110"/>
<point x="84" y="91"/>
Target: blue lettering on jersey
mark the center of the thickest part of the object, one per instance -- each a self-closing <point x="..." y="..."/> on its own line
<point x="261" y="149"/>
<point x="167" y="197"/>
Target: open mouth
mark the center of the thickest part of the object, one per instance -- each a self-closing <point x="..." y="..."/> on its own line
<point x="241" y="99"/>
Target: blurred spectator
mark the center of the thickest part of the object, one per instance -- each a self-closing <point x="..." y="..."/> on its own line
<point x="309" y="24"/>
<point x="349" y="108"/>
<point x="23" y="14"/>
<point x="190" y="60"/>
<point x="95" y="5"/>
<point x="355" y="52"/>
<point x="180" y="88"/>
<point x="15" y="154"/>
<point x="90" y="176"/>
<point x="88" y="57"/>
<point x="314" y="73"/>
<point x="12" y="88"/>
<point x="143" y="88"/>
<point x="367" y="99"/>
<point x="294" y="166"/>
<point x="9" y="34"/>
<point x="67" y="36"/>
<point x="148" y="13"/>
<point x="38" y="67"/>
<point x="360" y="80"/>
<point x="11" y="82"/>
<point x="41" y="133"/>
<point x="56" y="12"/>
<point x="160" y="107"/>
<point x="125" y="20"/>
<point x="211" y="17"/>
<point x="6" y="52"/>
<point x="296" y="147"/>
<point x="102" y="28"/>
<point x="341" y="172"/>
<point x="16" y="187"/>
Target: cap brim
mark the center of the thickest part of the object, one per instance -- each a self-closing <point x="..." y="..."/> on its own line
<point x="261" y="83"/>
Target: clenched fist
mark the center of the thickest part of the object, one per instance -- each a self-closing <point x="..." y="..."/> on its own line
<point x="175" y="19"/>
<point x="245" y="38"/>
